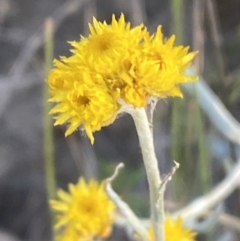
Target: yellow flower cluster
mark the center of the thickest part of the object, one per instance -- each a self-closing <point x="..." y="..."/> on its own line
<point x="84" y="213"/>
<point x="115" y="64"/>
<point x="174" y="231"/>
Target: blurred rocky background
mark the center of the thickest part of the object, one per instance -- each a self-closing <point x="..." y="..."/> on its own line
<point x="210" y="26"/>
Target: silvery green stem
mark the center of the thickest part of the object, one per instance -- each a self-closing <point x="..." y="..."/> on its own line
<point x="153" y="175"/>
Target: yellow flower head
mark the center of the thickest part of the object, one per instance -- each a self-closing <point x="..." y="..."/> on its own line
<point x="83" y="213"/>
<point x="115" y="64"/>
<point x="171" y="60"/>
<point x="82" y="99"/>
<point x="103" y="50"/>
<point x="174" y="231"/>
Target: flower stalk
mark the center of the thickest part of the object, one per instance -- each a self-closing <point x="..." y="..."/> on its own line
<point x="152" y="170"/>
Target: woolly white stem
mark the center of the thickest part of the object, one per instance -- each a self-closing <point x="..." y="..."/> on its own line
<point x="153" y="175"/>
<point x="132" y="219"/>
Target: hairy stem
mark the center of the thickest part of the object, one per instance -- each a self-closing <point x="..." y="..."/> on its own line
<point x="153" y="175"/>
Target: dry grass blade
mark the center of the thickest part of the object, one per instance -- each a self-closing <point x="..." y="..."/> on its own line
<point x="213" y="21"/>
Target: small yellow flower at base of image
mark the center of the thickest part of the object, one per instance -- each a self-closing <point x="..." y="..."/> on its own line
<point x="83" y="213"/>
<point x="174" y="231"/>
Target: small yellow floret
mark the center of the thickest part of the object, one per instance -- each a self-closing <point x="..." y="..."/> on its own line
<point x="174" y="231"/>
<point x="83" y="213"/>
